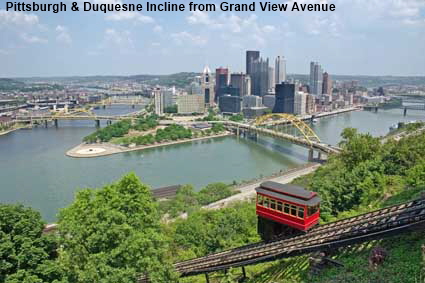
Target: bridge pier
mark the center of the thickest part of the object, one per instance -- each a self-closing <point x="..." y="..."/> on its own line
<point x="133" y="106"/>
<point x="56" y="123"/>
<point x="310" y="155"/>
<point x="405" y="111"/>
<point x="97" y="122"/>
<point x="45" y="124"/>
<point x="376" y="109"/>
<point x="104" y="106"/>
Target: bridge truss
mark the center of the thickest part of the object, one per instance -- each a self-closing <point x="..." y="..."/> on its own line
<point x="276" y="119"/>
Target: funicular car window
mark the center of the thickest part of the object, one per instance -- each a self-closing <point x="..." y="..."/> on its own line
<point x="293" y="210"/>
<point x="313" y="209"/>
<point x="286" y="208"/>
<point x="260" y="200"/>
<point x="279" y="206"/>
<point x="272" y="204"/>
<point x="300" y="212"/>
<point x="266" y="202"/>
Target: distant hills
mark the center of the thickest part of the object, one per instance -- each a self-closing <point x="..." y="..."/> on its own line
<point x="184" y="78"/>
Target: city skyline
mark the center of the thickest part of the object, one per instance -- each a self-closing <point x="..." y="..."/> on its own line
<point x="359" y="38"/>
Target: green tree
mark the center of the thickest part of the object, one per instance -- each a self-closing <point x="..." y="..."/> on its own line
<point x="113" y="234"/>
<point x="26" y="255"/>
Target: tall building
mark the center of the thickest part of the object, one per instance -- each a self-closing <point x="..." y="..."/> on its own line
<point x="272" y="78"/>
<point x="188" y="104"/>
<point x="230" y="104"/>
<point x="310" y="104"/>
<point x="285" y="98"/>
<point x="248" y="85"/>
<point x="207" y="86"/>
<point x="327" y="84"/>
<point x="158" y="101"/>
<point x="280" y="69"/>
<point x="221" y="81"/>
<point x="251" y="57"/>
<point x="300" y="103"/>
<point x="168" y="98"/>
<point x="260" y="77"/>
<point x="316" y="78"/>
<point x="238" y="80"/>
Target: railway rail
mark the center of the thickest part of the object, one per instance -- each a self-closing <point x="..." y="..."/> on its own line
<point x="376" y="224"/>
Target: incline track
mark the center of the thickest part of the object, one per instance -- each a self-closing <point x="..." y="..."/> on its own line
<point x="376" y="224"/>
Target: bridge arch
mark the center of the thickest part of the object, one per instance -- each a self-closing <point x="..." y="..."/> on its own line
<point x="302" y="127"/>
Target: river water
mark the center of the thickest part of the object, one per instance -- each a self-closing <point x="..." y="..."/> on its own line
<point x="35" y="171"/>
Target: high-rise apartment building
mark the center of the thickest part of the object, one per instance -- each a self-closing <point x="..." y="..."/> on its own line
<point x="316" y="78"/>
<point x="188" y="104"/>
<point x="310" y="104"/>
<point x="158" y="101"/>
<point x="285" y="98"/>
<point x="280" y="69"/>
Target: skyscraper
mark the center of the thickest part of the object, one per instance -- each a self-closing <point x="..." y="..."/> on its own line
<point x="207" y="86"/>
<point x="280" y="69"/>
<point x="260" y="77"/>
<point x="316" y="78"/>
<point x="327" y="84"/>
<point x="238" y="80"/>
<point x="285" y="98"/>
<point x="272" y="77"/>
<point x="251" y="57"/>
<point x="221" y="81"/>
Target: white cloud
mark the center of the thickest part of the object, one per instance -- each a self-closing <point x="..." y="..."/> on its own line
<point x="158" y="29"/>
<point x="129" y="16"/>
<point x="32" y="38"/>
<point x="19" y="19"/>
<point x="242" y="29"/>
<point x="185" y="37"/>
<point x="63" y="35"/>
<point x="118" y="39"/>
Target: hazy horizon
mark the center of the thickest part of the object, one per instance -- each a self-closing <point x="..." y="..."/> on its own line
<point x="367" y="37"/>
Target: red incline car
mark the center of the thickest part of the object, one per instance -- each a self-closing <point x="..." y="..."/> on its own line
<point x="285" y="209"/>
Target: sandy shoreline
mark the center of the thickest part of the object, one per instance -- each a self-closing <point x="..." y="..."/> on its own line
<point x="103" y="149"/>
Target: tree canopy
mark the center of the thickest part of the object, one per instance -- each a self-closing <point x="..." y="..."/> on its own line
<point x="113" y="234"/>
<point x="26" y="255"/>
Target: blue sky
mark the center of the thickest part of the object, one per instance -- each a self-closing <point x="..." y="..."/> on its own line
<point x="369" y="37"/>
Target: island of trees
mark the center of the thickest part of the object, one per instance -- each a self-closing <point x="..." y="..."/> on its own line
<point x="144" y="132"/>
